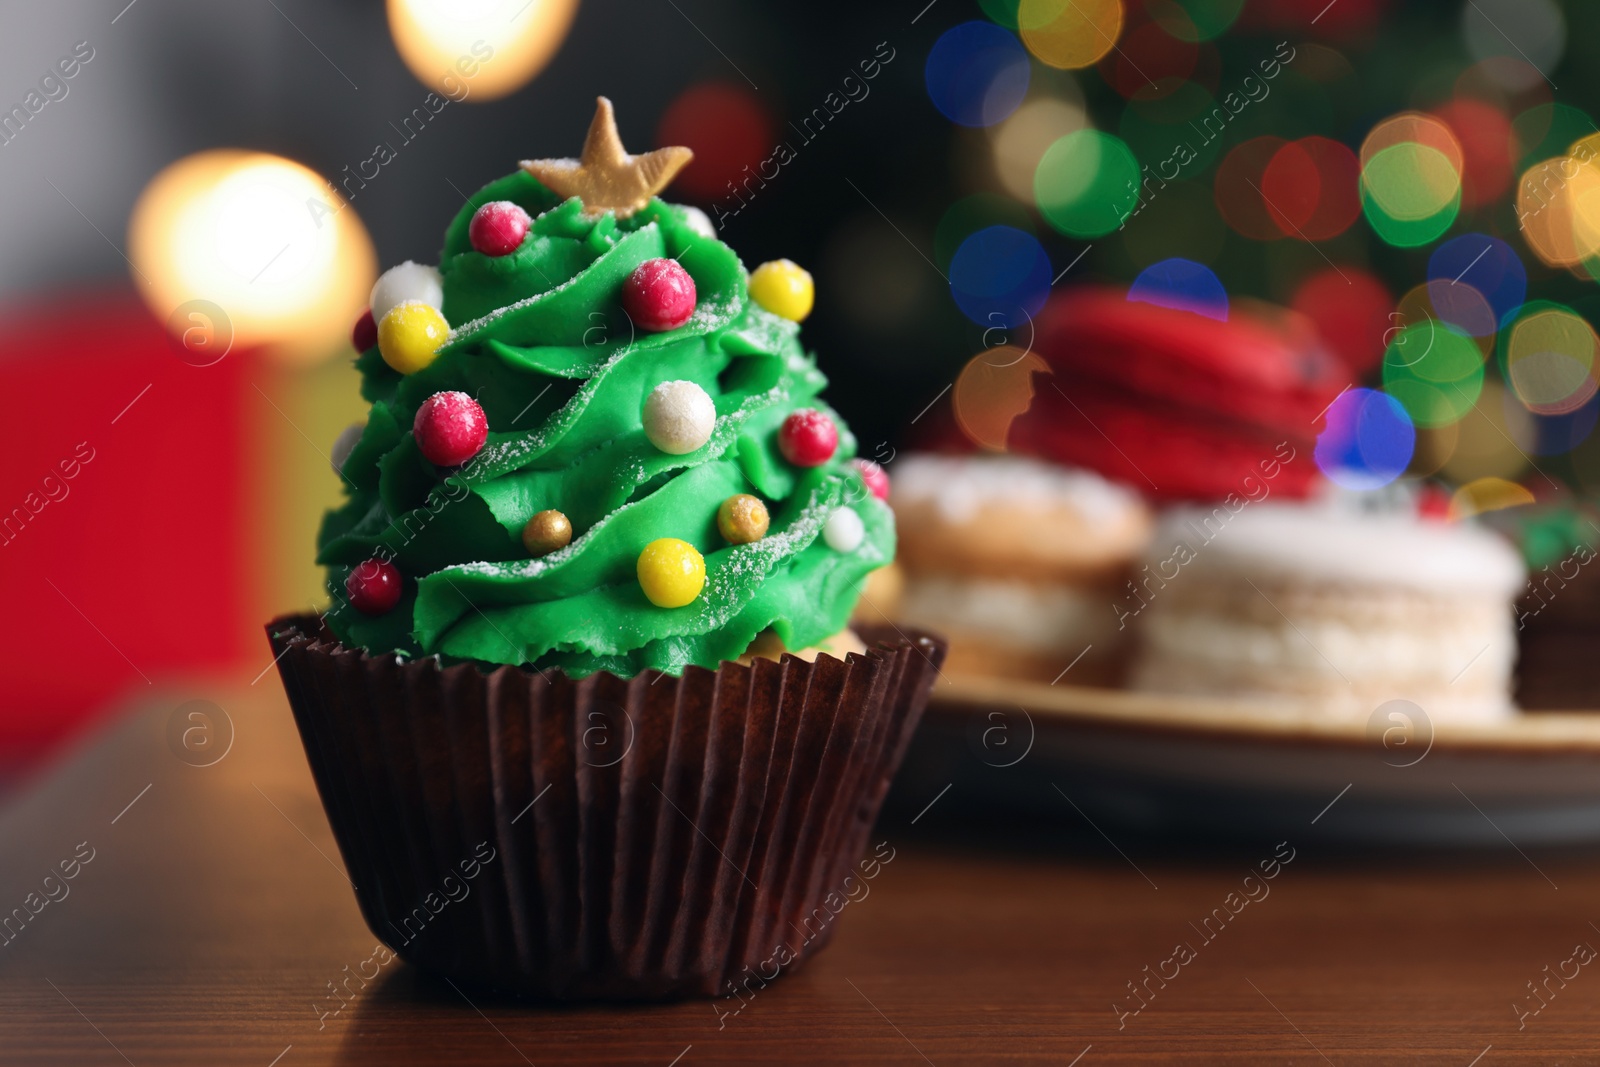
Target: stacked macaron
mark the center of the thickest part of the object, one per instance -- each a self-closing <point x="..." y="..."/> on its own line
<point x="1183" y="406"/>
<point x="1330" y="609"/>
<point x="1329" y="605"/>
<point x="1017" y="561"/>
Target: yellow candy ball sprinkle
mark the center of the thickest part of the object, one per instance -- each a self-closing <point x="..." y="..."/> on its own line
<point x="547" y="532"/>
<point x="671" y="572"/>
<point x="410" y="335"/>
<point x="742" y="519"/>
<point x="783" y="288"/>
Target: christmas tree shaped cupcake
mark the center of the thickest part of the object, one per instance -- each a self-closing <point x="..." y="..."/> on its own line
<point x="595" y="444"/>
<point x="595" y="500"/>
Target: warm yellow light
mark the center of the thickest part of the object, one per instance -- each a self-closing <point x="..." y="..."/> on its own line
<point x="1020" y="141"/>
<point x="1070" y="34"/>
<point x="1550" y="361"/>
<point x="1558" y="209"/>
<point x="478" y="49"/>
<point x="1487" y="494"/>
<point x="993" y="389"/>
<point x="259" y="237"/>
<point x="1486" y="439"/>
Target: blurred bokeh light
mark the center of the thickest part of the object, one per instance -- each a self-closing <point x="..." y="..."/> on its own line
<point x="730" y="132"/>
<point x="1489" y="269"/>
<point x="1486" y="439"/>
<point x="1087" y="183"/>
<point x="478" y="49"/>
<point x="1195" y="20"/>
<point x="255" y="245"/>
<point x="1237" y="188"/>
<point x="1353" y="311"/>
<point x="1541" y="36"/>
<point x="1309" y="187"/>
<point x="977" y="74"/>
<point x="1367" y="441"/>
<point x="1487" y="494"/>
<point x="1021" y="140"/>
<point x="1000" y="276"/>
<point x="994" y="388"/>
<point x="1070" y="34"/>
<point x="1435" y="372"/>
<point x="1182" y="284"/>
<point x="1548" y="358"/>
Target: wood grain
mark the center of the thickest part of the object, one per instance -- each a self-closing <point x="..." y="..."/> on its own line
<point x="214" y="916"/>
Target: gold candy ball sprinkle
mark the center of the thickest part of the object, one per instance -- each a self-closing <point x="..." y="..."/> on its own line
<point x="547" y="532"/>
<point x="742" y="518"/>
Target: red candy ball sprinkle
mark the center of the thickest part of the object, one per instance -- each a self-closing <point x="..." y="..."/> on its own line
<point x="450" y="428"/>
<point x="1433" y="504"/>
<point x="498" y="227"/>
<point x="659" y="295"/>
<point x="373" y="587"/>
<point x="808" y="438"/>
<point x="365" y="334"/>
<point x="877" y="481"/>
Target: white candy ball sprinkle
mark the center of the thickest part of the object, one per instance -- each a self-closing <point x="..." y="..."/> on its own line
<point x="408" y="281"/>
<point x="345" y="444"/>
<point x="844" y="531"/>
<point x="679" y="417"/>
<point x="698" y="220"/>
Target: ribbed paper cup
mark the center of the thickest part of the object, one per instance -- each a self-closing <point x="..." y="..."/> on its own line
<point x="608" y="838"/>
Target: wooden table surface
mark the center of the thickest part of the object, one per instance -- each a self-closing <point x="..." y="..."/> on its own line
<point x="214" y="920"/>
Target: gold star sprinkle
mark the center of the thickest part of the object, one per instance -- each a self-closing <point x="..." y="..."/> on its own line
<point x="605" y="177"/>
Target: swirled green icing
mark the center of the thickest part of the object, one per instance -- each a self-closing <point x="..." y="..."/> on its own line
<point x="540" y="340"/>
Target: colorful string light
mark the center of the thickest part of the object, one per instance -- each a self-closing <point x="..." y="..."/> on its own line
<point x="977" y="73"/>
<point x="1188" y="198"/>
<point x="1000" y="277"/>
<point x="1181" y="284"/>
<point x="1367" y="441"/>
<point x="1087" y="183"/>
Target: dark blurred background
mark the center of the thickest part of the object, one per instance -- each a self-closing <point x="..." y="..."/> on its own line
<point x="169" y="79"/>
<point x="177" y="76"/>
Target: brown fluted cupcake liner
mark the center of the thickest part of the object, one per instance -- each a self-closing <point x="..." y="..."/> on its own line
<point x="607" y="838"/>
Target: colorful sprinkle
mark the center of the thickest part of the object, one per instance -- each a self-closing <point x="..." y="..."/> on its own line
<point x="373" y="587"/>
<point x="406" y="282"/>
<point x="498" y="227"/>
<point x="410" y="336"/>
<point x="679" y="417"/>
<point x="742" y="519"/>
<point x="365" y="332"/>
<point x="671" y="572"/>
<point x="844" y="530"/>
<point x="659" y="295"/>
<point x="808" y="438"/>
<point x="783" y="288"/>
<point x="547" y="532"/>
<point x="450" y="428"/>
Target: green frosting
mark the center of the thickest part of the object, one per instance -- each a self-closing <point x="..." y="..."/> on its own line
<point x="541" y="341"/>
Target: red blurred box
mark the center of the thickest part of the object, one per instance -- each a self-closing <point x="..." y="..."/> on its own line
<point x="123" y="514"/>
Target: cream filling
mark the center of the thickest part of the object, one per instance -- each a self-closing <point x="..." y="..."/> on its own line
<point x="1464" y="659"/>
<point x="1037" y="616"/>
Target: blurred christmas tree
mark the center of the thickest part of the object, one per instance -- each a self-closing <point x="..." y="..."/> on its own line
<point x="1409" y="176"/>
<point x="1421" y="179"/>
